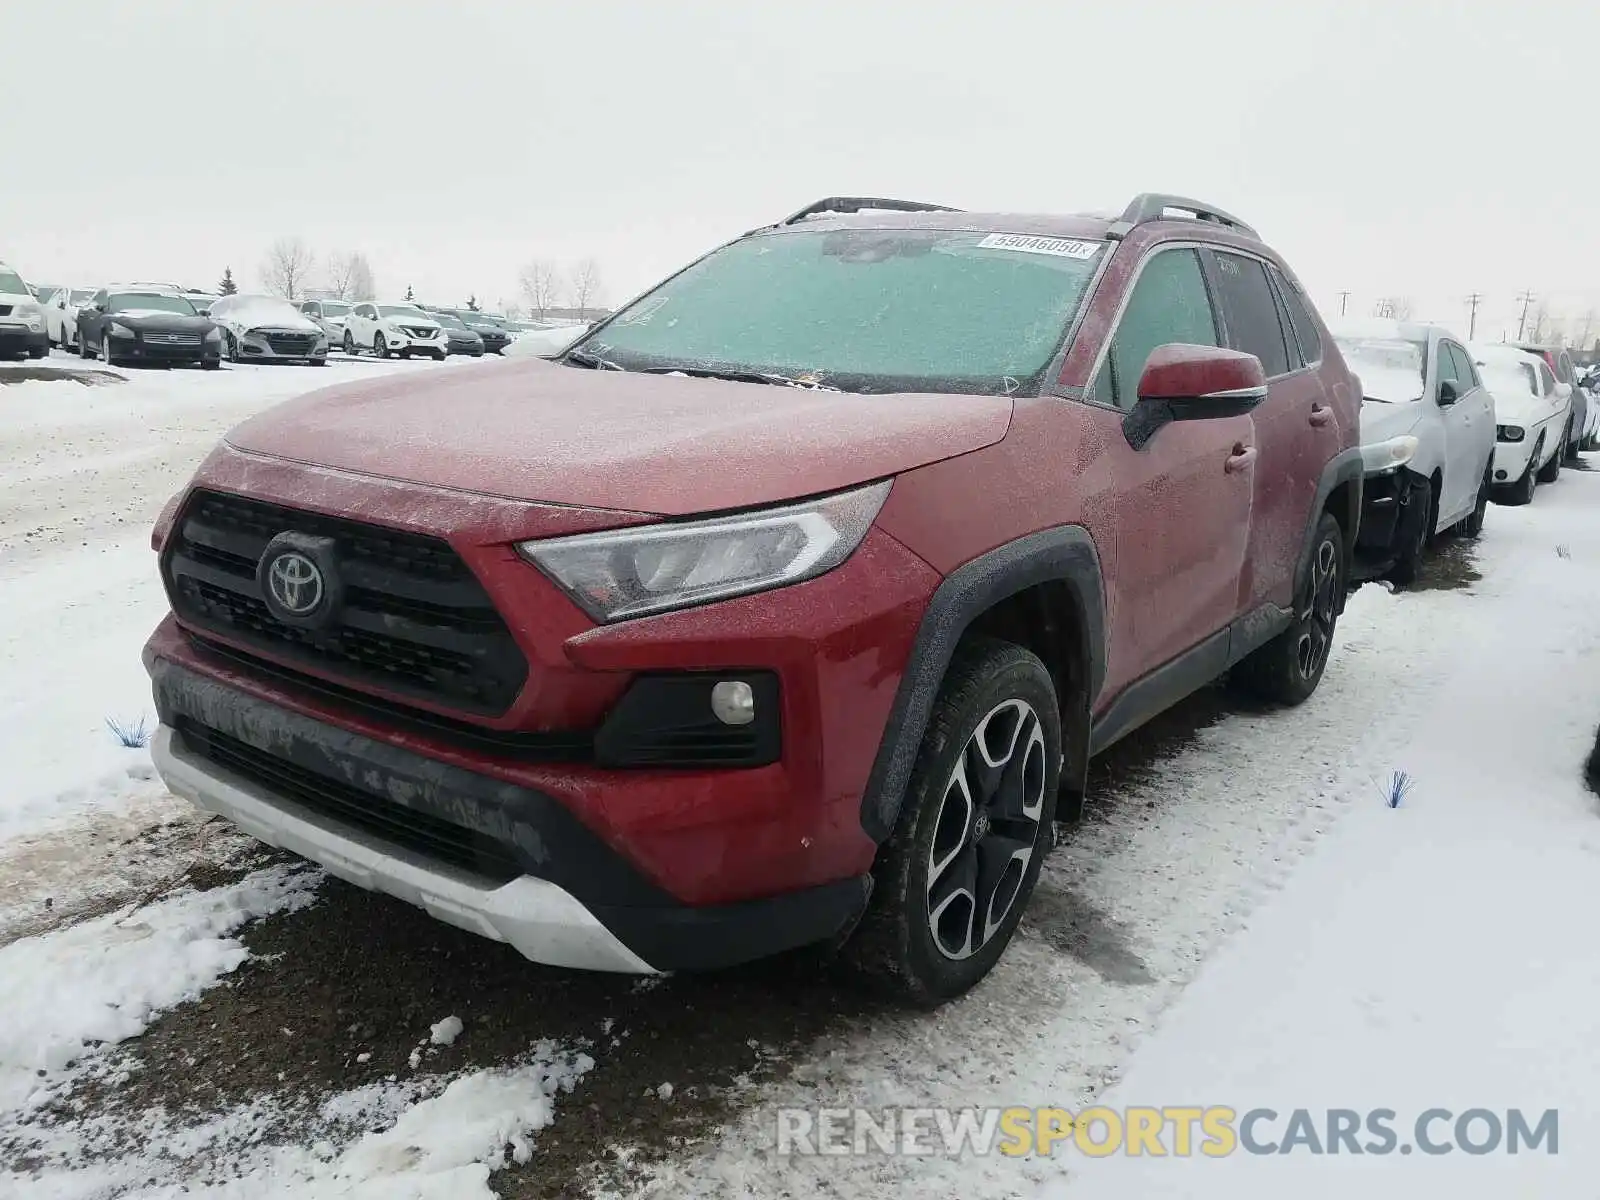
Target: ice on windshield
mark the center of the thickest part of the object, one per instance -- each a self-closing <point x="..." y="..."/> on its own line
<point x="1392" y="370"/>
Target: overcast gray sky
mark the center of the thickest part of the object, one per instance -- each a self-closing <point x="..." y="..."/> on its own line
<point x="1406" y="146"/>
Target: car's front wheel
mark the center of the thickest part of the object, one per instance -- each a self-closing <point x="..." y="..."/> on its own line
<point x="1472" y="524"/>
<point x="107" y="354"/>
<point x="1521" y="492"/>
<point x="1288" y="668"/>
<point x="1409" y="563"/>
<point x="380" y="347"/>
<point x="1551" y="471"/>
<point x="953" y="878"/>
<point x="349" y="343"/>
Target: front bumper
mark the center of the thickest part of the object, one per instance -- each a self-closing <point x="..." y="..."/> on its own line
<point x="508" y="863"/>
<point x="471" y="349"/>
<point x="1393" y="505"/>
<point x="14" y="339"/>
<point x="1512" y="460"/>
<point x="150" y="350"/>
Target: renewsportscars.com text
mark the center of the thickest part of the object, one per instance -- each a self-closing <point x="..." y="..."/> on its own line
<point x="1216" y="1131"/>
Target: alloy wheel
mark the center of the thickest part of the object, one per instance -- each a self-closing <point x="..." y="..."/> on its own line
<point x="1316" y="636"/>
<point x="987" y="829"/>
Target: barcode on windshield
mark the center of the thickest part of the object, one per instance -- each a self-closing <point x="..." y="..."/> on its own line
<point x="1060" y="247"/>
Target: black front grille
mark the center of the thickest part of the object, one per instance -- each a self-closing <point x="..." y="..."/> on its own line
<point x="174" y="339"/>
<point x="5" y="310"/>
<point x="415" y="621"/>
<point x="291" y="345"/>
<point x="348" y="804"/>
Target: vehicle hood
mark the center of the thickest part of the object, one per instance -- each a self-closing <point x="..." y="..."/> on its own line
<point x="488" y="333"/>
<point x="154" y="318"/>
<point x="537" y="431"/>
<point x="413" y="322"/>
<point x="1380" y="422"/>
<point x="269" y="316"/>
<point x="463" y="335"/>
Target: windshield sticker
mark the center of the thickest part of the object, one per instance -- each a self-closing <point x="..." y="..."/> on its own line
<point x="1059" y="247"/>
<point x="641" y="314"/>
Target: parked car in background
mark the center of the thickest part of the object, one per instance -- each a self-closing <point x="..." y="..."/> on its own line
<point x="458" y="338"/>
<point x="22" y="328"/>
<point x="495" y="335"/>
<point x="268" y="329"/>
<point x="1533" y="411"/>
<point x="61" y="316"/>
<point x="134" y="323"/>
<point x="1427" y="441"/>
<point x="1560" y="363"/>
<point x="329" y="316"/>
<point x="385" y="329"/>
<point x="202" y="301"/>
<point x="824" y="662"/>
<point x="544" y="343"/>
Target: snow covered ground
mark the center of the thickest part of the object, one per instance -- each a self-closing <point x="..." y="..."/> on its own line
<point x="1243" y="921"/>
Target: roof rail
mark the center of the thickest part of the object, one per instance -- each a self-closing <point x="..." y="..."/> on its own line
<point x="855" y="204"/>
<point x="1153" y="206"/>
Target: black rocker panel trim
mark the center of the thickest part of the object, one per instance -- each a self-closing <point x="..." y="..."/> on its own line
<point x="1064" y="554"/>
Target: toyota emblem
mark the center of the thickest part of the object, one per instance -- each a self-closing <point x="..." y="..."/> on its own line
<point x="296" y="583"/>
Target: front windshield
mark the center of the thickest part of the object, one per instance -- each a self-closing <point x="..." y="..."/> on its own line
<point x="1509" y="378"/>
<point x="402" y="310"/>
<point x="478" y="322"/>
<point x="11" y="283"/>
<point x="448" y="321"/>
<point x="870" y="310"/>
<point x="334" y="308"/>
<point x="1392" y="370"/>
<point x="81" y="295"/>
<point x="47" y="294"/>
<point x="150" y="302"/>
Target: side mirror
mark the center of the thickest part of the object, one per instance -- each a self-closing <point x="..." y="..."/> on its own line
<point x="1193" y="383"/>
<point x="1449" y="392"/>
<point x="1563" y="390"/>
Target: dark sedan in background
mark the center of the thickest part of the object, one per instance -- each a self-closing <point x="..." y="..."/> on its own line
<point x="461" y="339"/>
<point x="142" y="324"/>
<point x="494" y="335"/>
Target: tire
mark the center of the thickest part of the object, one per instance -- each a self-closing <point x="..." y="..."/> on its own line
<point x="38" y="353"/>
<point x="349" y="343"/>
<point x="438" y="356"/>
<point x="1570" y="446"/>
<point x="1405" y="569"/>
<point x="107" y="355"/>
<point x="379" y="346"/>
<point x="83" y="348"/>
<point x="230" y="346"/>
<point x="1288" y="668"/>
<point x="1520" y="492"/>
<point x="210" y="364"/>
<point x="1471" y="525"/>
<point x="1551" y="471"/>
<point x="920" y="946"/>
<point x="318" y="362"/>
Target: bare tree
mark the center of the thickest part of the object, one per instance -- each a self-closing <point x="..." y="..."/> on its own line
<point x="1584" y="339"/>
<point x="350" y="276"/>
<point x="538" y="282"/>
<point x="288" y="267"/>
<point x="1396" y="308"/>
<point x="583" y="284"/>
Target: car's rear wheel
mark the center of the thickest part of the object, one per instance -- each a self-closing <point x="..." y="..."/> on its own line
<point x="1472" y="524"/>
<point x="953" y="878"/>
<point x="1288" y="668"/>
<point x="1551" y="471"/>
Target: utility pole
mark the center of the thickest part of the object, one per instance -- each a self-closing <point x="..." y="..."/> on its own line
<point x="1522" y="324"/>
<point x="1344" y="299"/>
<point x="1472" y="320"/>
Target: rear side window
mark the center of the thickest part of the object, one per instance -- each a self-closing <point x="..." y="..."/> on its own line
<point x="1250" y="312"/>
<point x="1564" y="368"/>
<point x="1305" y="325"/>
<point x="1546" y="378"/>
<point x="1169" y="304"/>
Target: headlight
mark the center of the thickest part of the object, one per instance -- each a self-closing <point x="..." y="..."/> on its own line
<point x="215" y="335"/>
<point x="632" y="572"/>
<point x="1510" y="433"/>
<point x="1390" y="455"/>
<point x="27" y="309"/>
<point x="120" y="330"/>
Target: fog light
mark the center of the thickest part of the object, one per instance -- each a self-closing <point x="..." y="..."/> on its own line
<point x="733" y="702"/>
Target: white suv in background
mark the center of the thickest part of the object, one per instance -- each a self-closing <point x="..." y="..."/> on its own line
<point x="331" y="316"/>
<point x="386" y="329"/>
<point x="22" y="331"/>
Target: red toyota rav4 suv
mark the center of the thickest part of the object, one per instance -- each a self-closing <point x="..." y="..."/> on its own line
<point x="789" y="606"/>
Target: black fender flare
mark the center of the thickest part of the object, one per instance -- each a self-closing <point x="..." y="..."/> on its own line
<point x="1064" y="554"/>
<point x="1344" y="467"/>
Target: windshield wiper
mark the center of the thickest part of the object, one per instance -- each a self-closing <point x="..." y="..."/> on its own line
<point x="594" y="362"/>
<point x="735" y="376"/>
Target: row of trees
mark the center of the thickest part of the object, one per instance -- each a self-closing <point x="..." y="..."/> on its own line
<point x="292" y="269"/>
<point x="544" y="283"/>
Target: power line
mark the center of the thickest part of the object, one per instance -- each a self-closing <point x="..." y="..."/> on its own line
<point x="1522" y="324"/>
<point x="1344" y="299"/>
<point x="1472" y="320"/>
